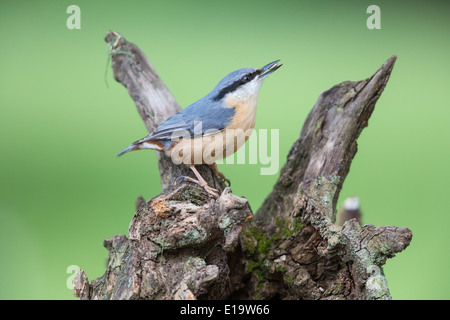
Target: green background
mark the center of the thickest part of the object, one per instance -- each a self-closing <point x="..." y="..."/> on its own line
<point x="62" y="191"/>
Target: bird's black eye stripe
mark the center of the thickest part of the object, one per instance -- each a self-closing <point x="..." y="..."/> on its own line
<point x="248" y="77"/>
<point x="232" y="87"/>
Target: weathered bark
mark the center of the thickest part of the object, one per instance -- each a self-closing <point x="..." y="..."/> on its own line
<point x="184" y="245"/>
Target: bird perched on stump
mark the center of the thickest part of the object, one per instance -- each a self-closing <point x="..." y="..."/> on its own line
<point x="213" y="127"/>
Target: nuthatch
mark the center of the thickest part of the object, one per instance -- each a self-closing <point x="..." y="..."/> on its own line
<point x="213" y="127"/>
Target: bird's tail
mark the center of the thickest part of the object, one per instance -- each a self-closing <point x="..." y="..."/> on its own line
<point x="142" y="144"/>
<point x="129" y="148"/>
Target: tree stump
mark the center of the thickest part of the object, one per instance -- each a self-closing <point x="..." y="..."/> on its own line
<point x="182" y="244"/>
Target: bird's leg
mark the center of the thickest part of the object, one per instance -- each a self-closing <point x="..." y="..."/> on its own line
<point x="202" y="182"/>
<point x="220" y="174"/>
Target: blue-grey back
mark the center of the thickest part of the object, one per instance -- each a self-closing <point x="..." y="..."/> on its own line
<point x="205" y="114"/>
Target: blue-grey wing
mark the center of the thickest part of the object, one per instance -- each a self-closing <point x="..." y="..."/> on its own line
<point x="200" y="118"/>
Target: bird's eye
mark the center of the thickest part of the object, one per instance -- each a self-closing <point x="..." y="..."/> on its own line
<point x="246" y="79"/>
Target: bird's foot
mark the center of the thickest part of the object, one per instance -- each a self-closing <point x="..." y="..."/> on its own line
<point x="220" y="174"/>
<point x="225" y="180"/>
<point x="211" y="191"/>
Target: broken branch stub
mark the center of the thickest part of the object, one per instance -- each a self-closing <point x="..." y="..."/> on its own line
<point x="301" y="252"/>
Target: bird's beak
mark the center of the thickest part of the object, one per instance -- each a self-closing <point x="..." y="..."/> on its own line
<point x="268" y="69"/>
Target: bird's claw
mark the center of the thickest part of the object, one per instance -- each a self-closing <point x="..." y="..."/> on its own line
<point x="226" y="181"/>
<point x="211" y="191"/>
